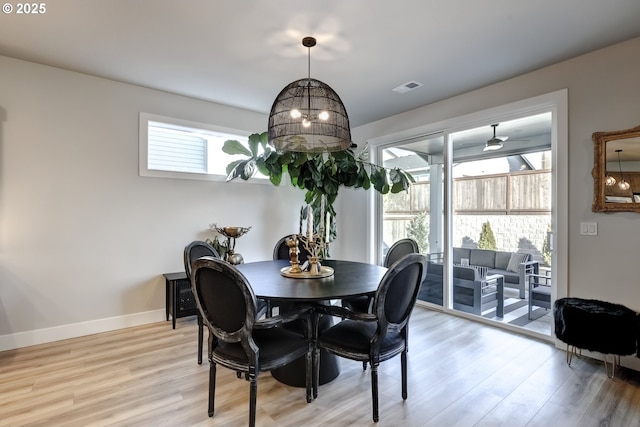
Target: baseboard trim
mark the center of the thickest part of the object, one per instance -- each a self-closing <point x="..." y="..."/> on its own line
<point x="63" y="332"/>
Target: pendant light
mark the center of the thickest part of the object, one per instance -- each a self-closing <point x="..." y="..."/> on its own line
<point x="609" y="180"/>
<point x="623" y="185"/>
<point x="308" y="116"/>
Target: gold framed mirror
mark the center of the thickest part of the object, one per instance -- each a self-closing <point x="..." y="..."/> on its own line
<point x="616" y="171"/>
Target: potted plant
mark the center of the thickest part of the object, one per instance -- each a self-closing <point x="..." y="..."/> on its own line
<point x="319" y="174"/>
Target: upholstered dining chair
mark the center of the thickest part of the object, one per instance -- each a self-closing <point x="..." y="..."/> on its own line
<point x="192" y="252"/>
<point x="237" y="339"/>
<point x="281" y="250"/>
<point x="380" y="335"/>
<point x="399" y="249"/>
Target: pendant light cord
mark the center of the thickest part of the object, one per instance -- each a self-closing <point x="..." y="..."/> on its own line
<point x="620" y="165"/>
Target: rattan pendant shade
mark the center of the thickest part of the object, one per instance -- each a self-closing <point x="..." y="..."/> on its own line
<point x="309" y="116"/>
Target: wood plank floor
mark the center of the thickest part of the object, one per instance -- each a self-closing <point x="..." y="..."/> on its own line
<point x="461" y="374"/>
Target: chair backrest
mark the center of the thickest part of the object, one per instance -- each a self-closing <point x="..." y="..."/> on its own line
<point x="225" y="300"/>
<point x="281" y="250"/>
<point x="195" y="250"/>
<point x="397" y="292"/>
<point x="399" y="249"/>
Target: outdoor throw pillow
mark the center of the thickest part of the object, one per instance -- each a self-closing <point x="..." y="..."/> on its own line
<point x="515" y="260"/>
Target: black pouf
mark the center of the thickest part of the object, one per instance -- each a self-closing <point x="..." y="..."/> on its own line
<point x="596" y="325"/>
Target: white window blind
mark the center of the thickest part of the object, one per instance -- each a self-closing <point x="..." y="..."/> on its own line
<point x="176" y="150"/>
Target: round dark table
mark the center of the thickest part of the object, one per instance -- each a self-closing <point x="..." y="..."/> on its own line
<point x="350" y="279"/>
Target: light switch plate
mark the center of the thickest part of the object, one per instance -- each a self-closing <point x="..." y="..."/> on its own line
<point x="589" y="228"/>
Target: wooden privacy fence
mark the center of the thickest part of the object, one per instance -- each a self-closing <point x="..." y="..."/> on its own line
<point x="526" y="192"/>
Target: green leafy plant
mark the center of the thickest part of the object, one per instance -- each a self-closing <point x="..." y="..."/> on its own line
<point x="487" y="239"/>
<point x="317" y="173"/>
<point x="418" y="230"/>
<point x="546" y="248"/>
<point x="219" y="246"/>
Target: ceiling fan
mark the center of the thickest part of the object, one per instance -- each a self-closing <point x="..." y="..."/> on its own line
<point x="495" y="143"/>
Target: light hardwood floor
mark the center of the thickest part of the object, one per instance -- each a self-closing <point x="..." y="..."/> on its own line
<point x="461" y="374"/>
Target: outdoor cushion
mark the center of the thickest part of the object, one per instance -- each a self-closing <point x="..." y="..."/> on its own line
<point x="509" y="276"/>
<point x="516" y="260"/>
<point x="483" y="257"/>
<point x="466" y="273"/>
<point x="502" y="260"/>
<point x="459" y="254"/>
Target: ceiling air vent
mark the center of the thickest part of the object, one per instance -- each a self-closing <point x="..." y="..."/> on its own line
<point x="407" y="87"/>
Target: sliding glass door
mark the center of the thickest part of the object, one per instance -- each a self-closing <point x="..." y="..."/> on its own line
<point x="500" y="216"/>
<point x="481" y="213"/>
<point x="418" y="214"/>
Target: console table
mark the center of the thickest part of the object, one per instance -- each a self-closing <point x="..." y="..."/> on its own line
<point x="180" y="301"/>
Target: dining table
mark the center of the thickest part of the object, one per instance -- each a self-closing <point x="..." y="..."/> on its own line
<point x="349" y="279"/>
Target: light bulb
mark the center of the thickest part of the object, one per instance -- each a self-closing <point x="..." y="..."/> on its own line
<point x="306" y="123"/>
<point x="295" y="114"/>
<point x="324" y="115"/>
<point x="609" y="181"/>
<point x="624" y="185"/>
<point x="492" y="147"/>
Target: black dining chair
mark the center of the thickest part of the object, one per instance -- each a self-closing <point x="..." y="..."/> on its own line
<point x="192" y="252"/>
<point x="237" y="339"/>
<point x="281" y="250"/>
<point x="380" y="335"/>
<point x="399" y="249"/>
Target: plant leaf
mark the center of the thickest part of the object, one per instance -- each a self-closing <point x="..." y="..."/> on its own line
<point x="231" y="146"/>
<point x="237" y="170"/>
<point x="276" y="177"/>
<point x="254" y="141"/>
<point x="364" y="153"/>
<point x="249" y="169"/>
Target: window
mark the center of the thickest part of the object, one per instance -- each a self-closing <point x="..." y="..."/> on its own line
<point x="176" y="148"/>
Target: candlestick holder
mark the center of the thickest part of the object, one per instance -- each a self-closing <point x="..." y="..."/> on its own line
<point x="316" y="247"/>
<point x="294" y="252"/>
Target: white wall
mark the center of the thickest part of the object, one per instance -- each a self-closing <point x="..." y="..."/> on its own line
<point x="84" y="240"/>
<point x="604" y="95"/>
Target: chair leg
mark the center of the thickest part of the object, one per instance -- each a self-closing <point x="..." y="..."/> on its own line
<point x="403" y="364"/>
<point x="308" y="373"/>
<point x="200" y="338"/>
<point x="406" y="338"/>
<point x="253" y="393"/>
<point x="364" y="365"/>
<point x="212" y="388"/>
<point x="374" y="391"/>
<point x="315" y="377"/>
<point x="316" y="371"/>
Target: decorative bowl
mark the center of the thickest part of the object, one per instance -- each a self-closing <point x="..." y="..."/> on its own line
<point x="233" y="232"/>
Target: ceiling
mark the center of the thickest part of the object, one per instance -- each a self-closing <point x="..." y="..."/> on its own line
<point x="242" y="53"/>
